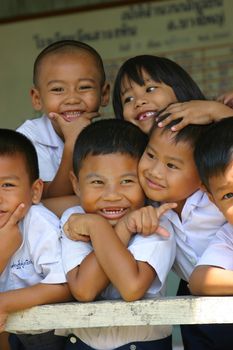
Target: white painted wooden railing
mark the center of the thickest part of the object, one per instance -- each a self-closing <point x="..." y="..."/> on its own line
<point x="163" y="311"/>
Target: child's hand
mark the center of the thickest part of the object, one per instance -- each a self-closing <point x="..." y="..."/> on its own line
<point x="78" y="226"/>
<point x="11" y="226"/>
<point x="3" y="319"/>
<point x="193" y="112"/>
<point x="146" y="220"/>
<point x="70" y="130"/>
<point x="226" y="98"/>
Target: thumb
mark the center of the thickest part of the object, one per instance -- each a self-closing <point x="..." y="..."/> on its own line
<point x="162" y="232"/>
<point x="17" y="215"/>
<point x="165" y="207"/>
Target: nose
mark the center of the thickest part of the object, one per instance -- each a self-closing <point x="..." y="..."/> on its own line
<point x="112" y="193"/>
<point x="73" y="97"/>
<point x="156" y="170"/>
<point x="140" y="101"/>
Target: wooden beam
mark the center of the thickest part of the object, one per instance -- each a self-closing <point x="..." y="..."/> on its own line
<point x="163" y="311"/>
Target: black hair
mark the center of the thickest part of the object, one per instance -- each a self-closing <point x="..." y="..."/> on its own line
<point x="189" y="134"/>
<point x="67" y="46"/>
<point x="160" y="69"/>
<point x="12" y="143"/>
<point x="214" y="150"/>
<point x="108" y="136"/>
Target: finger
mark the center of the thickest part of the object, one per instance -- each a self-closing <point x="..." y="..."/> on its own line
<point x="162" y="232"/>
<point x="165" y="207"/>
<point x="17" y="215"/>
<point x="54" y="116"/>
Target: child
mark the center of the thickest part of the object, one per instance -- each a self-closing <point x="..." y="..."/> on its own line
<point x="147" y="84"/>
<point x="214" y="273"/>
<point x="106" y="157"/>
<point x="30" y="259"/>
<point x="69" y="88"/>
<point x="167" y="173"/>
<point x="148" y="88"/>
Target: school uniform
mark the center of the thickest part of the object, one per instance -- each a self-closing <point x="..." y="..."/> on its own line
<point x="49" y="146"/>
<point x="198" y="226"/>
<point x="37" y="260"/>
<point x="156" y="251"/>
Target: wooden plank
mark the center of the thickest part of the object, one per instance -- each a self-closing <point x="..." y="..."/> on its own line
<point x="163" y="311"/>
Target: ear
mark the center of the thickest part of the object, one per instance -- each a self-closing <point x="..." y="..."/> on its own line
<point x="105" y="95"/>
<point x="36" y="100"/>
<point x="75" y="183"/>
<point x="37" y="190"/>
<point x="210" y="196"/>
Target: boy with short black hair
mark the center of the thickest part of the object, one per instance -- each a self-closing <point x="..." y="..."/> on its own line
<point x="114" y="261"/>
<point x="30" y="259"/>
<point x="214" y="159"/>
<point x="69" y="88"/>
<point x="168" y="173"/>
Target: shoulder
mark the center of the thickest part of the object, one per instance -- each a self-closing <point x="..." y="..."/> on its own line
<point x="67" y="213"/>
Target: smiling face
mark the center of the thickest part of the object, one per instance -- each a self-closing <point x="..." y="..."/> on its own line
<point x="15" y="186"/>
<point x="108" y="185"/>
<point x="69" y="83"/>
<point x="141" y="104"/>
<point x="221" y="187"/>
<point x="167" y="171"/>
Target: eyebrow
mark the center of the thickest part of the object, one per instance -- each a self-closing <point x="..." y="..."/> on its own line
<point x="61" y="81"/>
<point x="10" y="177"/>
<point x="169" y="158"/>
<point x="89" y="176"/>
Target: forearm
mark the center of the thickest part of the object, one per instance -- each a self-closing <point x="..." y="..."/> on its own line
<point x="61" y="184"/>
<point x="24" y="298"/>
<point x="59" y="204"/>
<point x="211" y="280"/>
<point x="88" y="280"/>
<point x="125" y="273"/>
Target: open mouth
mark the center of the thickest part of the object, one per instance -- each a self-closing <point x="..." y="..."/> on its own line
<point x="71" y="115"/>
<point x="147" y="115"/>
<point x="113" y="213"/>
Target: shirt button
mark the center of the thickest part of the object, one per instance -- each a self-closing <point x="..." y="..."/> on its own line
<point x="73" y="340"/>
<point x="133" y="347"/>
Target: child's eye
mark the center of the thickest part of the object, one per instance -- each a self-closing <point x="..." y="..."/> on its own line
<point x="86" y="87"/>
<point x="128" y="99"/>
<point x="228" y="195"/>
<point x="8" y="184"/>
<point x="171" y="166"/>
<point x="57" y="89"/>
<point x="150" y="155"/>
<point x="150" y="88"/>
<point x="97" y="182"/>
<point x="126" y="181"/>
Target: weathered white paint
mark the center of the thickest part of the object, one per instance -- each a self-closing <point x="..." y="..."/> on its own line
<point x="172" y="310"/>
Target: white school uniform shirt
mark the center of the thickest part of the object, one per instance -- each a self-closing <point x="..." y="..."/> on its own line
<point x="156" y="251"/>
<point x="200" y="221"/>
<point x="48" y="144"/>
<point x="38" y="259"/>
<point x="220" y="250"/>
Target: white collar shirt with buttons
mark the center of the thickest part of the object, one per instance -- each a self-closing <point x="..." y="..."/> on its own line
<point x="48" y="144"/>
<point x="199" y="223"/>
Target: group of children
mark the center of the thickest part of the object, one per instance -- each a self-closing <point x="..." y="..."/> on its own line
<point x="148" y="191"/>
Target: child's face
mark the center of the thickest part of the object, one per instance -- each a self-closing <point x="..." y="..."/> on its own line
<point x="69" y="84"/>
<point x="15" y="186"/>
<point x="221" y="187"/>
<point x="167" y="171"/>
<point x="108" y="185"/>
<point x="142" y="103"/>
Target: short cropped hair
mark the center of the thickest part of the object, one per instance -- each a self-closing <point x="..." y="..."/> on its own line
<point x="160" y="69"/>
<point x="108" y="136"/>
<point x="189" y="134"/>
<point x="214" y="150"/>
<point x="12" y="143"/>
<point x="64" y="46"/>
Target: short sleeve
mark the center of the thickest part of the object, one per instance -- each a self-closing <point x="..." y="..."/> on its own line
<point x="220" y="249"/>
<point x="43" y="240"/>
<point x="73" y="252"/>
